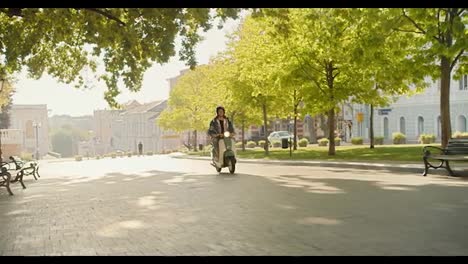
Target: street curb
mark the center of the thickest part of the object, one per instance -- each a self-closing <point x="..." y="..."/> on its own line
<point x="409" y="168"/>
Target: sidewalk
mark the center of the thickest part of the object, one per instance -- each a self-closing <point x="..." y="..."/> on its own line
<point x="391" y="166"/>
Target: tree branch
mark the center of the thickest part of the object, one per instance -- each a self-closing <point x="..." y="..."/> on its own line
<point x="438" y="22"/>
<point x="408" y="31"/>
<point x="418" y="26"/>
<point x="105" y="14"/>
<point x="11" y="12"/>
<point x="456" y="59"/>
<point x="18" y="12"/>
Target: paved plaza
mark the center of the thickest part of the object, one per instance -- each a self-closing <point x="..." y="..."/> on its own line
<point x="160" y="205"/>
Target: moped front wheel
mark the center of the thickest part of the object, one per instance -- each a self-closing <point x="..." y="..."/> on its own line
<point x="232" y="165"/>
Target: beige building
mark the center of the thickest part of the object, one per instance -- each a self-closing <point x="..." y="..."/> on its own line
<point x="12" y="142"/>
<point x="32" y="120"/>
<point x="123" y="130"/>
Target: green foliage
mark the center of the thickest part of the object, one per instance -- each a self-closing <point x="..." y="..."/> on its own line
<point x="6" y="100"/>
<point x="357" y="141"/>
<point x="71" y="41"/>
<point x="337" y="141"/>
<point x="427" y="138"/>
<point x="398" y="138"/>
<point x="303" y="142"/>
<point x="26" y="156"/>
<point x="323" y="142"/>
<point x="276" y="143"/>
<point x="378" y="140"/>
<point x="78" y="158"/>
<point x="261" y="143"/>
<point x="149" y="153"/>
<point x="62" y="142"/>
<point x="251" y="144"/>
<point x="459" y="134"/>
<point x="238" y="144"/>
<point x="192" y="101"/>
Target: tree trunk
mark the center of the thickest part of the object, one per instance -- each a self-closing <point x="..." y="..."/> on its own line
<point x="446" y="126"/>
<point x="243" y="136"/>
<point x="331" y="132"/>
<point x="265" y="124"/>
<point x="371" y="126"/>
<point x="295" y="128"/>
<point x="312" y="131"/>
<point x="323" y="125"/>
<point x="195" y="147"/>
<point x="189" y="141"/>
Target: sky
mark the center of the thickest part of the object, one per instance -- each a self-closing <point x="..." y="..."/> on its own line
<point x="63" y="99"/>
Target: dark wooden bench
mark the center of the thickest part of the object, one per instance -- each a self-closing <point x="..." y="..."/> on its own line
<point x="23" y="168"/>
<point x="456" y="150"/>
<point x="5" y="177"/>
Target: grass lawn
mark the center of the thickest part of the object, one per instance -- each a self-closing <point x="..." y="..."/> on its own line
<point x="387" y="153"/>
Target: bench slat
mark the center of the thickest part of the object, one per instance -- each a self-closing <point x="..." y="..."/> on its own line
<point x="450" y="157"/>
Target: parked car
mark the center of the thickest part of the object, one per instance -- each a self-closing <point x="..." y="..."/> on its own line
<point x="278" y="136"/>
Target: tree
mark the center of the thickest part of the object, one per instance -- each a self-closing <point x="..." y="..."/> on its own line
<point x="5" y="115"/>
<point x="67" y="42"/>
<point x="256" y="57"/>
<point x="192" y="102"/>
<point x="441" y="35"/>
<point x="62" y="142"/>
<point x="224" y="76"/>
<point x="321" y="41"/>
<point x="382" y="54"/>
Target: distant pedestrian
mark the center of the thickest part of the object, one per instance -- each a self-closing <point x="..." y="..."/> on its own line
<point x="140" y="148"/>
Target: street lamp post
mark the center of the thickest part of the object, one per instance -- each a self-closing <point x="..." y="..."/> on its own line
<point x="37" y="126"/>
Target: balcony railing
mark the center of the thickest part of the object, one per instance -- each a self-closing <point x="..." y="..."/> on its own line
<point x="11" y="136"/>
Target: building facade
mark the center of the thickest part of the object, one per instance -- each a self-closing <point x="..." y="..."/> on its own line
<point x="416" y="115"/>
<point x="33" y="121"/>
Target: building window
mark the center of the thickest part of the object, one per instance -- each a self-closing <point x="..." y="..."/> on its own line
<point x="385" y="125"/>
<point x="464" y="82"/>
<point x="461" y="123"/>
<point x="402" y="125"/>
<point x="420" y="125"/>
<point x="29" y="129"/>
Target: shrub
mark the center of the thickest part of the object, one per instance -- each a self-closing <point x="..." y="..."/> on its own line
<point x="427" y="138"/>
<point x="98" y="157"/>
<point x="303" y="142"/>
<point x="399" y="138"/>
<point x="261" y="143"/>
<point x="238" y="144"/>
<point x="276" y="144"/>
<point x="459" y="134"/>
<point x="337" y="141"/>
<point x="150" y="153"/>
<point x="26" y="156"/>
<point x="78" y="158"/>
<point x="323" y="142"/>
<point x="129" y="154"/>
<point x="378" y="140"/>
<point x="357" y="141"/>
<point x="113" y="155"/>
<point x="251" y="144"/>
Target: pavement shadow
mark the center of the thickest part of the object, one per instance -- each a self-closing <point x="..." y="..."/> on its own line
<point x="294" y="214"/>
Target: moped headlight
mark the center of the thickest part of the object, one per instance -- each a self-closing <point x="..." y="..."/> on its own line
<point x="227" y="134"/>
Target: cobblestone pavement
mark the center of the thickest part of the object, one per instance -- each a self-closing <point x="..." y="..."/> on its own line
<point x="163" y="206"/>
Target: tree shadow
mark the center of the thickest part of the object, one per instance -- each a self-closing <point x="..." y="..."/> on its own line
<point x="286" y="214"/>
